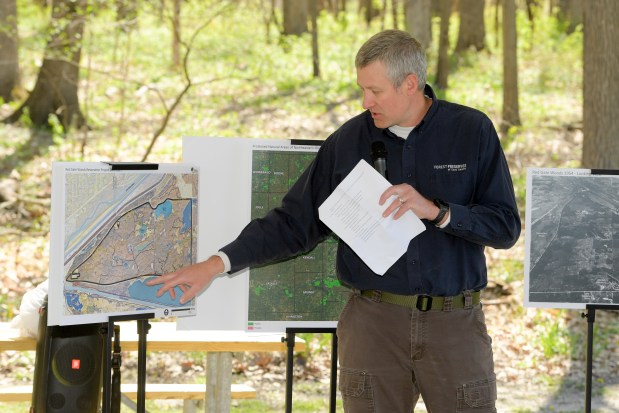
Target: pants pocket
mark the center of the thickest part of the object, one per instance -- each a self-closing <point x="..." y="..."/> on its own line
<point x="356" y="390"/>
<point x="477" y="396"/>
<point x="355" y="383"/>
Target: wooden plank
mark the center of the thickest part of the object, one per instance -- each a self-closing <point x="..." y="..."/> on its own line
<point x="16" y="393"/>
<point x="163" y="336"/>
<point x="154" y="391"/>
<point x="11" y="339"/>
<point x="191" y="391"/>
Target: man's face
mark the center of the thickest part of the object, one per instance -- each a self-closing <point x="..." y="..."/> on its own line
<point x="389" y="106"/>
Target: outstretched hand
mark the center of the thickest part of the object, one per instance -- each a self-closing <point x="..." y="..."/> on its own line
<point x="192" y="279"/>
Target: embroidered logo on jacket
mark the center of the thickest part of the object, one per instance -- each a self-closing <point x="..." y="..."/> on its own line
<point x="451" y="167"/>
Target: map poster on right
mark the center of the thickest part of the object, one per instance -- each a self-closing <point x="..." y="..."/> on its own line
<point x="572" y="238"/>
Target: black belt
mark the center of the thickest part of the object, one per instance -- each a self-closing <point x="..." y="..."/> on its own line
<point x="424" y="302"/>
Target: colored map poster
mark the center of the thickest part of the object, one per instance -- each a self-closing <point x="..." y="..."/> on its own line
<point x="572" y="238"/>
<point x="302" y="289"/>
<point x="244" y="178"/>
<point x="117" y="229"/>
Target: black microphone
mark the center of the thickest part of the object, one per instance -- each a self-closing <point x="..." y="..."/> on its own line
<point x="379" y="158"/>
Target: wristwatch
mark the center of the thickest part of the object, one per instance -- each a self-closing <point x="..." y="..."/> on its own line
<point x="444" y="209"/>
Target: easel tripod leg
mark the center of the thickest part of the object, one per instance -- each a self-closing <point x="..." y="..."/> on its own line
<point x="589" y="373"/>
<point x="332" y="401"/>
<point x="143" y="327"/>
<point x="290" y="338"/>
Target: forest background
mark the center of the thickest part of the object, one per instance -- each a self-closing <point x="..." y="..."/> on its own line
<point x="125" y="80"/>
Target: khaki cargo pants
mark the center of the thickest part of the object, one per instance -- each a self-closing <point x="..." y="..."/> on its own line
<point x="390" y="355"/>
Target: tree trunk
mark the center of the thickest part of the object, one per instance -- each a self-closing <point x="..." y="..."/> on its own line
<point x="472" y="31"/>
<point x="367" y="6"/>
<point x="269" y="18"/>
<point x="9" y="59"/>
<point x="176" y="33"/>
<point x="419" y="21"/>
<point x="601" y="85"/>
<point x="511" y="111"/>
<point x="394" y="13"/>
<point x="497" y="22"/>
<point x="571" y="13"/>
<point x="442" y="68"/>
<point x="295" y="16"/>
<point x="55" y="90"/>
<point x="126" y="14"/>
<point x="315" y="52"/>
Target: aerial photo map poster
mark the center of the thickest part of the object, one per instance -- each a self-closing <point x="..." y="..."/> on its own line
<point x="244" y="178"/>
<point x="572" y="238"/>
<point x="304" y="288"/>
<point x="113" y="229"/>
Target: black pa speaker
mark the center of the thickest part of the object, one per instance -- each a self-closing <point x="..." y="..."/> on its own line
<point x="68" y="367"/>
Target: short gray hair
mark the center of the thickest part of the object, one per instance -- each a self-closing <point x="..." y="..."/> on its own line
<point x="399" y="52"/>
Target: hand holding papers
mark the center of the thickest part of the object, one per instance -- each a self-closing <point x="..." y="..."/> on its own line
<point x="353" y="213"/>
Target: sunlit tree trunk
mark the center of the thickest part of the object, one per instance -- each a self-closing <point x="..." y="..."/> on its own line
<point x="176" y="33"/>
<point x="126" y="14"/>
<point x="9" y="60"/>
<point x="367" y="7"/>
<point x="419" y="21"/>
<point x="571" y="13"/>
<point x="295" y="16"/>
<point x="472" y="31"/>
<point x="511" y="110"/>
<point x="601" y="85"/>
<point x="442" y="68"/>
<point x="315" y="53"/>
<point x="394" y="13"/>
<point x="55" y="90"/>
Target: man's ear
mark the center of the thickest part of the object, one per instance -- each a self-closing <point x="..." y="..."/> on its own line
<point x="411" y="82"/>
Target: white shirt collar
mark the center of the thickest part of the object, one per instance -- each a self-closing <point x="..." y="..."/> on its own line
<point x="401" y="131"/>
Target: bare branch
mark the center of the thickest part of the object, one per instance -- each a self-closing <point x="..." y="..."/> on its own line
<point x="188" y="84"/>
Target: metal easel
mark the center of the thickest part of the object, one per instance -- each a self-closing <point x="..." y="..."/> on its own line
<point x="590" y="316"/>
<point x="143" y="327"/>
<point x="290" y="341"/>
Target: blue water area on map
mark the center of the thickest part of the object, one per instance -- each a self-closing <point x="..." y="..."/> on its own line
<point x="186" y="218"/>
<point x="73" y="301"/>
<point x="164" y="209"/>
<point x="143" y="230"/>
<point x="143" y="292"/>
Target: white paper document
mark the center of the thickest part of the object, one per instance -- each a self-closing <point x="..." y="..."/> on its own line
<point x="353" y="213"/>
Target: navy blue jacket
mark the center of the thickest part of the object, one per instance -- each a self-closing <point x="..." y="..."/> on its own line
<point x="453" y="154"/>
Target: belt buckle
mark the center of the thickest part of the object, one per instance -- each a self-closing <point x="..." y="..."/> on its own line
<point x="424" y="303"/>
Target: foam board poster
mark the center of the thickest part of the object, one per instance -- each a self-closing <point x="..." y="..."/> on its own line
<point x="242" y="179"/>
<point x="571" y="238"/>
<point x="113" y="229"/>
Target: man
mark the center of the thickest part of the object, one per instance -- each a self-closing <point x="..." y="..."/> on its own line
<point x="419" y="329"/>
